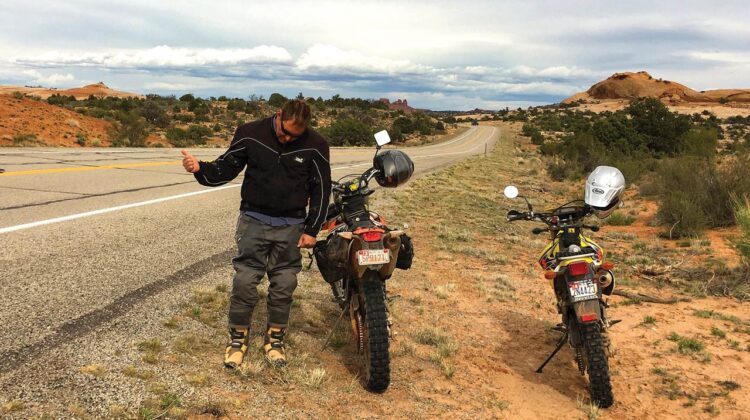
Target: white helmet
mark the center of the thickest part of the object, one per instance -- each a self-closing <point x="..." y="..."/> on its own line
<point x="604" y="189"/>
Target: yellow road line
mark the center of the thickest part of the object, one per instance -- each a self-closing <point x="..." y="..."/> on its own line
<point x="88" y="168"/>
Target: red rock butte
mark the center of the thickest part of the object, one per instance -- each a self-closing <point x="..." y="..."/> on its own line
<point x="631" y="85"/>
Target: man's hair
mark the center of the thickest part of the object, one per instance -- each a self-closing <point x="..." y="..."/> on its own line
<point x="298" y="111"/>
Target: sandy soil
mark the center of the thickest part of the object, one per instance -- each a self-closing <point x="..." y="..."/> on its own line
<point x="52" y="125"/>
<point x="96" y="89"/>
<point x="720" y="110"/>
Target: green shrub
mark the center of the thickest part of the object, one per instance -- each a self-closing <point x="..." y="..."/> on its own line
<point x="694" y="194"/>
<point x="620" y="219"/>
<point x="277" y="100"/>
<point x="130" y="131"/>
<point x="742" y="215"/>
<point x="348" y="132"/>
<point x="194" y="135"/>
<point x="27" y="140"/>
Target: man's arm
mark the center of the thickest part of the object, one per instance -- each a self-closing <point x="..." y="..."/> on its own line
<point x="320" y="192"/>
<point x="221" y="170"/>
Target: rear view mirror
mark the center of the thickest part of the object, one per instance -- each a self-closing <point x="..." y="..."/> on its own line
<point x="382" y="138"/>
<point x="511" y="191"/>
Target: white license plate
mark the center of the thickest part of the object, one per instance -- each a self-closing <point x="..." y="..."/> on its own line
<point x="373" y="256"/>
<point x="582" y="290"/>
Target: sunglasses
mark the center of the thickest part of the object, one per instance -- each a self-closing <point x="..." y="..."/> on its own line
<point x="284" y="130"/>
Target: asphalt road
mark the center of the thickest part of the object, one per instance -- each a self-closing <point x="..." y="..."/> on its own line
<point x="87" y="234"/>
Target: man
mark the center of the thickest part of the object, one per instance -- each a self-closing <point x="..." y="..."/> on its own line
<point x="287" y="168"/>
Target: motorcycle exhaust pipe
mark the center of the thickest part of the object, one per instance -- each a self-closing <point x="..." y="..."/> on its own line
<point x="605" y="278"/>
<point x="392" y="240"/>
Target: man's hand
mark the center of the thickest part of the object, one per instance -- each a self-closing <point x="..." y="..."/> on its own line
<point x="306" y="241"/>
<point x="189" y="162"/>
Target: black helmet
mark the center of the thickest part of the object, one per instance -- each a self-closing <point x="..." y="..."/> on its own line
<point x="394" y="168"/>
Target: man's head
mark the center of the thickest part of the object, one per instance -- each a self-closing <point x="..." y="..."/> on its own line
<point x="292" y="120"/>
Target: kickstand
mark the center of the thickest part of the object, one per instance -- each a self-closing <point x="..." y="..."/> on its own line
<point x="560" y="344"/>
<point x="346" y="308"/>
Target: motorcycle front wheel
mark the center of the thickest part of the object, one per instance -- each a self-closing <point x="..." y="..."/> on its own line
<point x="377" y="358"/>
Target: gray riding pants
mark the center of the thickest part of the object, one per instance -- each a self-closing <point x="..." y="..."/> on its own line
<point x="264" y="249"/>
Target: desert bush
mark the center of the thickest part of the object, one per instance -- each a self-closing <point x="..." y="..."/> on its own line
<point x="194" y="135"/>
<point x="348" y="132"/>
<point x="534" y="133"/>
<point x="155" y="114"/>
<point x="742" y="215"/>
<point x="700" y="142"/>
<point x="695" y="194"/>
<point x="683" y="210"/>
<point x="277" y="100"/>
<point x="662" y="129"/>
<point x="27" y="140"/>
<point x="129" y="131"/>
<point x="620" y="219"/>
<point x="60" y="100"/>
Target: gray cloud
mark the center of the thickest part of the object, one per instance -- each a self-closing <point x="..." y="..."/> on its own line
<point x="437" y="54"/>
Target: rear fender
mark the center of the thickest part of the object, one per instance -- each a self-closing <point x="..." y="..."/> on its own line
<point x="389" y="241"/>
<point x="587" y="311"/>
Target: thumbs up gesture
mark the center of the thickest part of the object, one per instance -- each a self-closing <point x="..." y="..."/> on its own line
<point x="189" y="162"/>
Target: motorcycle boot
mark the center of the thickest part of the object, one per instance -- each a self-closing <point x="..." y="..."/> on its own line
<point x="237" y="348"/>
<point x="273" y="346"/>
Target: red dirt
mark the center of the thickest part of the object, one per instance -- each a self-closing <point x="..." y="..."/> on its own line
<point x="52" y="125"/>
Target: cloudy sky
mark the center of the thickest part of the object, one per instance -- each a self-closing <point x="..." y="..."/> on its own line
<point x="436" y="54"/>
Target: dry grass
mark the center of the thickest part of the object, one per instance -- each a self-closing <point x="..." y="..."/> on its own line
<point x="94" y="370"/>
<point x="133" y="372"/>
<point x="13" y="406"/>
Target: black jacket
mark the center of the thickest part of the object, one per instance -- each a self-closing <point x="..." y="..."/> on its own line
<point x="280" y="179"/>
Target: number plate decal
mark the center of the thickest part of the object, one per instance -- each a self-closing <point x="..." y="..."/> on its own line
<point x="583" y="290"/>
<point x="373" y="256"/>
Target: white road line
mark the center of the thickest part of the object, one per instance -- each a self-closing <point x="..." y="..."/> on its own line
<point x="175" y="197"/>
<point x="110" y="209"/>
<point x="131" y="205"/>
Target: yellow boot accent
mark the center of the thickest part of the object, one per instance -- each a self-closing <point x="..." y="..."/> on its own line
<point x="237" y="348"/>
<point x="274" y="346"/>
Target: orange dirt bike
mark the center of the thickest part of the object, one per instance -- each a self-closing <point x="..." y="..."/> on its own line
<point x="360" y="253"/>
<point x="580" y="277"/>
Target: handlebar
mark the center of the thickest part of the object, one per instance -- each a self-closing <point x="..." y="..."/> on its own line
<point x="549" y="220"/>
<point x="362" y="181"/>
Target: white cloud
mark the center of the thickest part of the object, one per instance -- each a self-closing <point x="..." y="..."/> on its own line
<point x="330" y="58"/>
<point x="160" y="56"/>
<point x="723" y="57"/>
<point x="52" y="80"/>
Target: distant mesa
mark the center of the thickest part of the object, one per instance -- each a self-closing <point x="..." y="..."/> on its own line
<point x="629" y="86"/>
<point x="400" y="104"/>
<point x="99" y="90"/>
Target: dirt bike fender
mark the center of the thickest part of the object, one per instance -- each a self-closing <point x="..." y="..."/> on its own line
<point x="587" y="311"/>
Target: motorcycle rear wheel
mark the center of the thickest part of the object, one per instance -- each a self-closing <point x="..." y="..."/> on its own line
<point x="376" y="355"/>
<point x="600" y="386"/>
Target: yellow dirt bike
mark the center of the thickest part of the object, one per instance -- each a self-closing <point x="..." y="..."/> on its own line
<point x="575" y="265"/>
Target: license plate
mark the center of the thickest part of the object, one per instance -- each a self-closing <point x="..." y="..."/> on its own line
<point x="373" y="256"/>
<point x="583" y="290"/>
